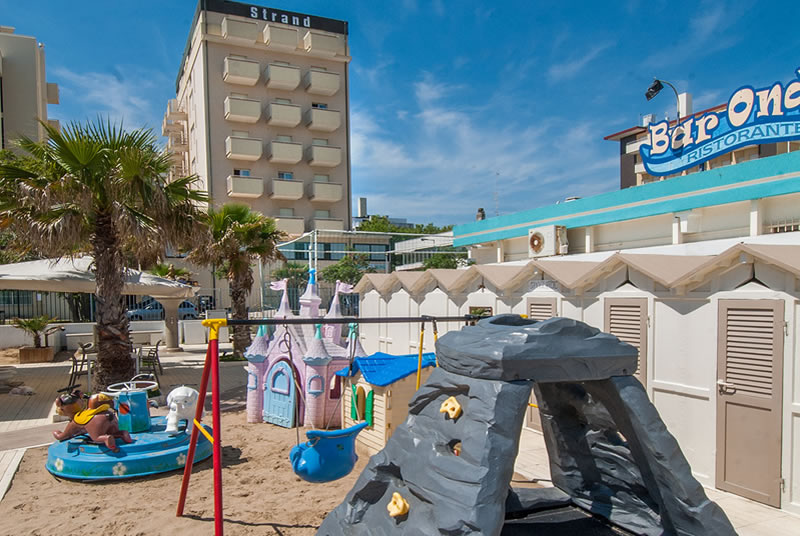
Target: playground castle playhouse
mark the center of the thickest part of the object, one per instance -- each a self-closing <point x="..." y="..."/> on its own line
<point x="291" y="374"/>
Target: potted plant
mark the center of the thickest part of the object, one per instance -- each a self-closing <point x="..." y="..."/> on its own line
<point x="36" y="327"/>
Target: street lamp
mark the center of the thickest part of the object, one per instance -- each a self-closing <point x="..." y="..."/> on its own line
<point x="656" y="87"/>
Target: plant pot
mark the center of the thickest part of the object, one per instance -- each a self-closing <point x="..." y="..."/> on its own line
<point x="31" y="354"/>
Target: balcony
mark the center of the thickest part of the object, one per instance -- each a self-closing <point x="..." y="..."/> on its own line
<point x="282" y="38"/>
<point x="241" y="71"/>
<point x="286" y="189"/>
<point x="242" y="110"/>
<point x="328" y="224"/>
<point x="54" y="123"/>
<point x="283" y="77"/>
<point x="246" y="187"/>
<point x="177" y="143"/>
<point x="240" y="148"/>
<point x="174" y="112"/>
<point x="321" y="82"/>
<point x="323" y="120"/>
<point x="168" y="125"/>
<point x="239" y="30"/>
<point x="52" y="93"/>
<point x="324" y="156"/>
<point x="285" y="152"/>
<point x="325" y="192"/>
<point x="320" y="44"/>
<point x="291" y="226"/>
<point x="283" y="115"/>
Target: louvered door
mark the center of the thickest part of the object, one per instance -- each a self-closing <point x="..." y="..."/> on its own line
<point x="627" y="319"/>
<point x="749" y="391"/>
<point x="538" y="309"/>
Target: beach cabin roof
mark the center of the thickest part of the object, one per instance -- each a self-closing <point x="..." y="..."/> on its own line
<point x="382" y="369"/>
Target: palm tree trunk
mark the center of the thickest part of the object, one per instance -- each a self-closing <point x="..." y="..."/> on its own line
<point x="241" y="281"/>
<point x="114" y="363"/>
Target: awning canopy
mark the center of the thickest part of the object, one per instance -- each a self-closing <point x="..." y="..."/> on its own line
<point x="75" y="275"/>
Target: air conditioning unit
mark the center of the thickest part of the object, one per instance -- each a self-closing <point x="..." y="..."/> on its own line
<point x="547" y="241"/>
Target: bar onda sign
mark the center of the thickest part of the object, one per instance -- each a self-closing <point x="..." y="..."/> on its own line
<point x="752" y="116"/>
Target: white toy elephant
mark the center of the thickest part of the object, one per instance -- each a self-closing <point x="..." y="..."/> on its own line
<point x="182" y="402"/>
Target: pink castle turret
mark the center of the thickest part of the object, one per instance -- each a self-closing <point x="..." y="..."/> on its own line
<point x="310" y="300"/>
<point x="333" y="332"/>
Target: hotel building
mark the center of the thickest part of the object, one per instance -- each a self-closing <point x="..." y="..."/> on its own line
<point x="261" y="113"/>
<point x="24" y="91"/>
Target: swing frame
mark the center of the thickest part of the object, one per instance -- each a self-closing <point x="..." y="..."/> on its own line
<point x="211" y="371"/>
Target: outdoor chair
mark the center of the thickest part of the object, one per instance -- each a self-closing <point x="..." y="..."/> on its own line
<point x="80" y="363"/>
<point x="150" y="363"/>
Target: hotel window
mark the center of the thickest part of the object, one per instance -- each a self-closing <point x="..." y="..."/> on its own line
<point x="282" y="101"/>
<point x="241" y="172"/>
<point x="377" y="252"/>
<point x="319" y="141"/>
<point x="285" y="175"/>
<point x="319" y="105"/>
<point x="322" y="178"/>
<point x="283" y="137"/>
<point x="322" y="213"/>
<point x="285" y="212"/>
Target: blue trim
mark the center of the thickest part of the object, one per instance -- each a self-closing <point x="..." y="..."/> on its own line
<point x="562" y="214"/>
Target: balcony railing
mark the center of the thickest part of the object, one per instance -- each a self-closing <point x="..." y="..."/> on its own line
<point x="241" y="148"/>
<point x="240" y="71"/>
<point x="291" y="225"/>
<point x="323" y="120"/>
<point x="321" y="44"/>
<point x="283" y="115"/>
<point x="177" y="143"/>
<point x="321" y="82"/>
<point x="247" y="187"/>
<point x="283" y="77"/>
<point x="286" y="189"/>
<point x="239" y="30"/>
<point x="283" y="38"/>
<point x="168" y="125"/>
<point x="285" y="152"/>
<point x="328" y="224"/>
<point x="242" y="109"/>
<point x="325" y="192"/>
<point x="324" y="156"/>
<point x="174" y="111"/>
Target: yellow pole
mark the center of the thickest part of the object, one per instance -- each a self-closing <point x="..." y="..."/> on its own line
<point x="214" y="324"/>
<point x="435" y="339"/>
<point x="419" y="361"/>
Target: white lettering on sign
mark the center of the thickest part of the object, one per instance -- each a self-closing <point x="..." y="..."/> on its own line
<point x="276" y="16"/>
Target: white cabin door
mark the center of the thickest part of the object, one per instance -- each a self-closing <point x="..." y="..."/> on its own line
<point x="749" y="391"/>
<point x="627" y="319"/>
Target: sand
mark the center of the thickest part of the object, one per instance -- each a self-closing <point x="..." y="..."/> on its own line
<point x="262" y="494"/>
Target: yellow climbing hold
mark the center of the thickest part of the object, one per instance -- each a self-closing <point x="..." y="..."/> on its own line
<point x="398" y="506"/>
<point x="451" y="407"/>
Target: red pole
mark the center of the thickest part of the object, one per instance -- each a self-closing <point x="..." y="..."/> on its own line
<point x="198" y="413"/>
<point x="214" y="348"/>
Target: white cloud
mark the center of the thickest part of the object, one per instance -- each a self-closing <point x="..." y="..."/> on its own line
<point x="130" y="97"/>
<point x="571" y="68"/>
<point x="446" y="165"/>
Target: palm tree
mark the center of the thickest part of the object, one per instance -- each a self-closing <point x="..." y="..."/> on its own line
<point x="99" y="189"/>
<point x="237" y="236"/>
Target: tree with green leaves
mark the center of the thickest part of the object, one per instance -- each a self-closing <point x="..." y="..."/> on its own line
<point x="295" y="272"/>
<point x="381" y="224"/>
<point x="236" y="237"/>
<point x="169" y="271"/>
<point x="349" y="269"/>
<point x="35" y="327"/>
<point x="445" y="260"/>
<point x="99" y="189"/>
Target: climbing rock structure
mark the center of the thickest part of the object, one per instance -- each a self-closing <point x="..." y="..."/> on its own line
<point x="610" y="453"/>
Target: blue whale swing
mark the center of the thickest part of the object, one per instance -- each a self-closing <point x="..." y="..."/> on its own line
<point x="328" y="455"/>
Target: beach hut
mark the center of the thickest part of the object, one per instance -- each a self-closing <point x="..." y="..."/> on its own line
<point x="377" y="389"/>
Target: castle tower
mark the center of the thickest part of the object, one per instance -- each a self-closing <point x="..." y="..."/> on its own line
<point x="310" y="300"/>
<point x="316" y="360"/>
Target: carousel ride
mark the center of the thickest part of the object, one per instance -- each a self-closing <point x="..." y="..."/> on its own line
<point x="111" y="435"/>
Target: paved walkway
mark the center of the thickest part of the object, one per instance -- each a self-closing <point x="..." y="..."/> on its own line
<point x="28" y="421"/>
<point x="749" y="518"/>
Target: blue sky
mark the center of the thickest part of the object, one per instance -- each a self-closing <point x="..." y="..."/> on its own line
<point x="450" y="98"/>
